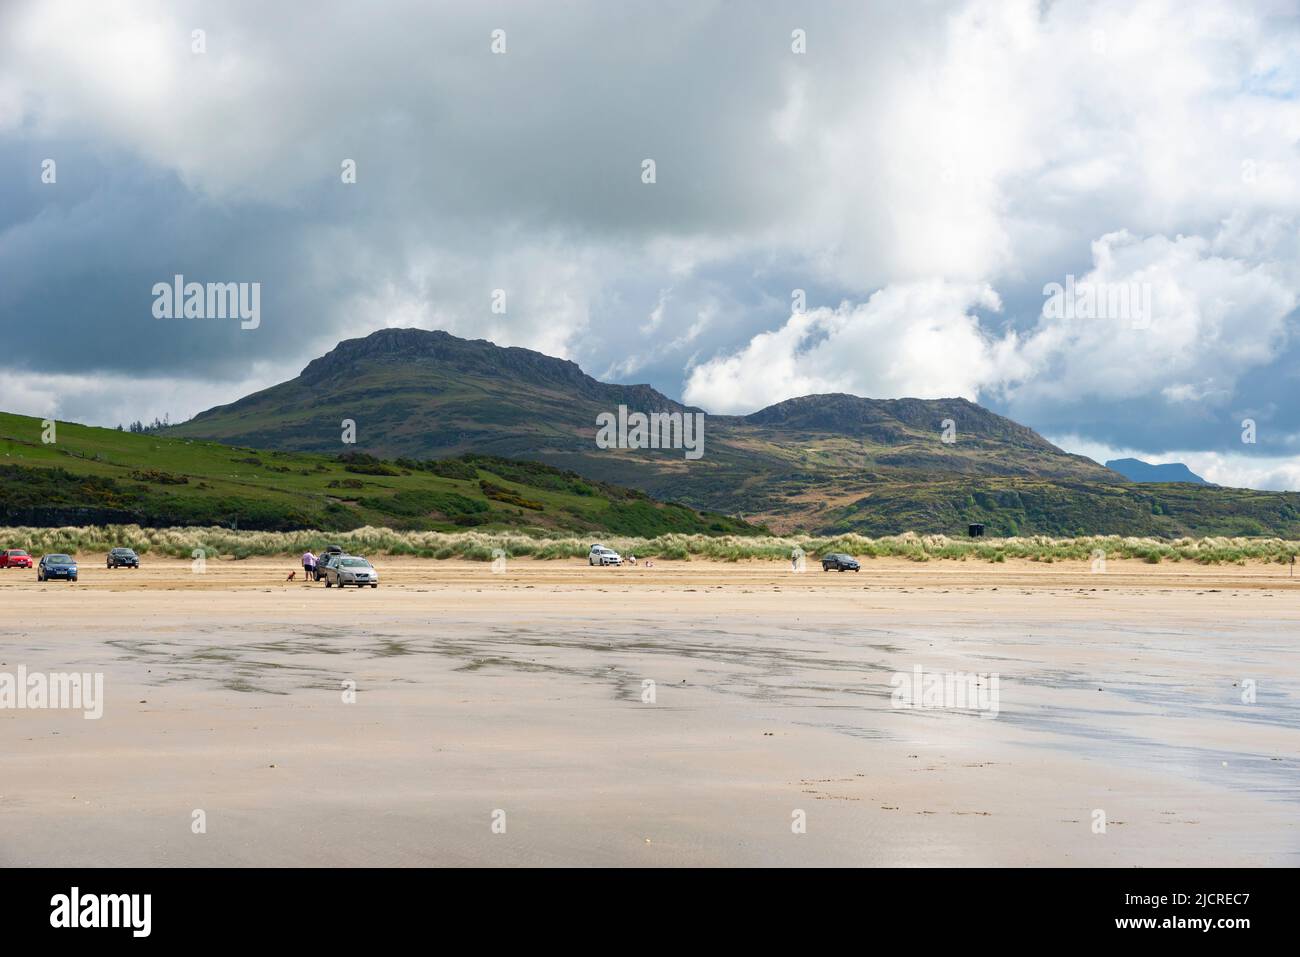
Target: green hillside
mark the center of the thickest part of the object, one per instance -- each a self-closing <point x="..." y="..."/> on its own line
<point x="822" y="464"/>
<point x="1066" y="509"/>
<point x="795" y="466"/>
<point x="101" y="476"/>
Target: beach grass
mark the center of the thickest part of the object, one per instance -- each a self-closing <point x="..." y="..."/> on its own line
<point x="476" y="545"/>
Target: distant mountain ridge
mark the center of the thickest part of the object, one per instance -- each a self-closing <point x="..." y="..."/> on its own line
<point x="477" y="357"/>
<point x="825" y="463"/>
<point x="890" y="420"/>
<point x="1135" y="470"/>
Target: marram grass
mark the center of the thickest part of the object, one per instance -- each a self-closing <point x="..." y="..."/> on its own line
<point x="481" y="546"/>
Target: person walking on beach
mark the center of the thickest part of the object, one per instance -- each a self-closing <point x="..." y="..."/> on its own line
<point x="309" y="566"/>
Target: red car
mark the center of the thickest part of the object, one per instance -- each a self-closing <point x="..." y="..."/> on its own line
<point x="15" y="558"/>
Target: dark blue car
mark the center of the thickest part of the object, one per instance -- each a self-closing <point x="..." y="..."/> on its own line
<point x="840" y="563"/>
<point x="56" y="566"/>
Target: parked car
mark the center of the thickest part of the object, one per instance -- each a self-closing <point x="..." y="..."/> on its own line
<point x="56" y="566"/>
<point x="350" y="570"/>
<point x="122" y="558"/>
<point x="15" y="558"/>
<point x="600" y="555"/>
<point x="323" y="559"/>
<point x="840" y="562"/>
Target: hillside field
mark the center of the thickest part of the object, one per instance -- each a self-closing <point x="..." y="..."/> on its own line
<point x="97" y="476"/>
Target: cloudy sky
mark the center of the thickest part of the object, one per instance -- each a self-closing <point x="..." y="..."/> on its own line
<point x="879" y="214"/>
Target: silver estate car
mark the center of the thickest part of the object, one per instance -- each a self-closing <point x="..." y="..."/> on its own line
<point x="350" y="570"/>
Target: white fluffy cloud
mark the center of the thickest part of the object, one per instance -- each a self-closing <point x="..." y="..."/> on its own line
<point x="1240" y="471"/>
<point x="1194" y="323"/>
<point x="920" y="340"/>
<point x="1187" y="326"/>
<point x="1150" y="145"/>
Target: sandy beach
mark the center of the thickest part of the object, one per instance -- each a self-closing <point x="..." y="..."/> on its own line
<point x="692" y="713"/>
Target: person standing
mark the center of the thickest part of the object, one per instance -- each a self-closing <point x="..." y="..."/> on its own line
<point x="309" y="566"/>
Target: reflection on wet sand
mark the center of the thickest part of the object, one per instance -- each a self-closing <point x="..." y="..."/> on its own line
<point x="769" y="694"/>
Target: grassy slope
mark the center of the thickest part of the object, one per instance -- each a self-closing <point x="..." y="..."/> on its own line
<point x="792" y="479"/>
<point x="826" y="464"/>
<point x="1025" y="507"/>
<point x="111" y="476"/>
<point x="783" y="469"/>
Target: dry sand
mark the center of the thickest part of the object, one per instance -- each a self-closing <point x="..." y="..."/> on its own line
<point x="522" y="692"/>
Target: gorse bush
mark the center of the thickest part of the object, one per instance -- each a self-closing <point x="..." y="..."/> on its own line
<point x="479" y="545"/>
<point x="499" y="493"/>
<point x="159" y="477"/>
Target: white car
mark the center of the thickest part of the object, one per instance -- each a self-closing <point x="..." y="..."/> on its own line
<point x="351" y="570"/>
<point x="600" y="555"/>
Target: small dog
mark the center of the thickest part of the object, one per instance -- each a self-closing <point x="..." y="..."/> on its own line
<point x="291" y="574"/>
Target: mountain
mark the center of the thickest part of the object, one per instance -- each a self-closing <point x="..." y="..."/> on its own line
<point x="105" y="476"/>
<point x="825" y="463"/>
<point x="1135" y="470"/>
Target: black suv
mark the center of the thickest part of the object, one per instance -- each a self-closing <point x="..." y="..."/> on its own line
<point x="123" y="558"/>
<point x="331" y="552"/>
<point x="840" y="562"/>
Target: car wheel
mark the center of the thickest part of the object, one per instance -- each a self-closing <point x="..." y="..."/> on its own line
<point x="375" y="585"/>
<point x="327" y="584"/>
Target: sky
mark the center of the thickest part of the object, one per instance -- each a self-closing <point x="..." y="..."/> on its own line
<point x="874" y="198"/>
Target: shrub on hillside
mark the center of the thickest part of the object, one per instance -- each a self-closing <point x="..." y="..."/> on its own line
<point x="365" y="464"/>
<point x="159" y="477"/>
<point x="500" y="493"/>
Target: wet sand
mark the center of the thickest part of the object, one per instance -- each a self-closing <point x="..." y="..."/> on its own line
<point x="525" y="693"/>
